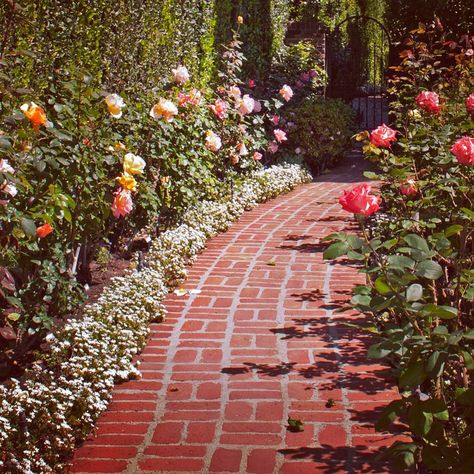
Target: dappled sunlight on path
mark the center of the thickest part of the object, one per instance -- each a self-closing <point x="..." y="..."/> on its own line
<point x="261" y="342"/>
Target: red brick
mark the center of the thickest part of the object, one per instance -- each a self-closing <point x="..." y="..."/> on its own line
<point x="168" y="433"/>
<point x="333" y="435"/>
<point x="107" y="452"/>
<point x="250" y="439"/>
<point x="185" y="355"/>
<point x="170" y="464"/>
<point x="238" y="411"/>
<point x="209" y="391"/>
<point x="176" y="451"/>
<point x="86" y="465"/>
<point x="226" y="460"/>
<point x="269" y="411"/>
<point x="211" y="355"/>
<point x="200" y="432"/>
<point x="252" y="427"/>
<point x="261" y="461"/>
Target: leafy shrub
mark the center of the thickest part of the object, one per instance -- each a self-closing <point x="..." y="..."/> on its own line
<point x="418" y="253"/>
<point x="321" y="130"/>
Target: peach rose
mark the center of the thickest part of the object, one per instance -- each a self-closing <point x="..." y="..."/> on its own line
<point x="257" y="156"/>
<point x="164" y="109"/>
<point x="245" y="105"/>
<point x="213" y="142"/>
<point x="219" y="108"/>
<point x="122" y="204"/>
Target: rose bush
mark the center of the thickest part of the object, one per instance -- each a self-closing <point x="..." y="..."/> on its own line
<point x="418" y="255"/>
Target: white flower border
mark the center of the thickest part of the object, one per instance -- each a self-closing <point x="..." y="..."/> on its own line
<point x="54" y="405"/>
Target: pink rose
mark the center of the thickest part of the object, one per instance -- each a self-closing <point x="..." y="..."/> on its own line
<point x="251" y="83"/>
<point x="275" y="120"/>
<point x="257" y="156"/>
<point x="219" y="108"/>
<point x="123" y="203"/>
<point x="463" y="150"/>
<point x="470" y="104"/>
<point x="273" y="148"/>
<point x="383" y="136"/>
<point x="408" y="188"/>
<point x="192" y="98"/>
<point x="360" y="201"/>
<point x="280" y="135"/>
<point x="5" y="167"/>
<point x="428" y="101"/>
<point x="257" y="108"/>
<point x="286" y="92"/>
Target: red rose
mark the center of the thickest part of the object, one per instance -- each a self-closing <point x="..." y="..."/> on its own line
<point x="428" y="101"/>
<point x="408" y="187"/>
<point x="383" y="136"/>
<point x="252" y="83"/>
<point x="463" y="150"/>
<point x="470" y="104"/>
<point x="360" y="201"/>
<point x="44" y="230"/>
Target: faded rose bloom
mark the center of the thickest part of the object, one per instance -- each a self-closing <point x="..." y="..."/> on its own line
<point x="5" y="167"/>
<point x="257" y="156"/>
<point x="280" y="135"/>
<point x="245" y="105"/>
<point x="360" y="201"/>
<point x="428" y="101"/>
<point x="272" y="147"/>
<point x="469" y="52"/>
<point x="191" y="98"/>
<point x="44" y="230"/>
<point x="180" y="75"/>
<point x="470" y="104"/>
<point x="408" y="187"/>
<point x="257" y="108"/>
<point x="298" y="151"/>
<point x="242" y="149"/>
<point x="234" y="159"/>
<point x="463" y="150"/>
<point x="313" y="73"/>
<point x="164" y="109"/>
<point x="383" y="136"/>
<point x="122" y="204"/>
<point x="213" y="141"/>
<point x="286" y="92"/>
<point x="219" y="108"/>
<point x="115" y="104"/>
<point x="235" y="92"/>
<point x="35" y="114"/>
<point x="133" y="164"/>
<point x="10" y="189"/>
<point x="299" y="84"/>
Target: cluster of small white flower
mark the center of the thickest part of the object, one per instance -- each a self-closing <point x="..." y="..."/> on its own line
<point x="56" y="403"/>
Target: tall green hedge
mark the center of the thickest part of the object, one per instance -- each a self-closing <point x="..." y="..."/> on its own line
<point x="132" y="44"/>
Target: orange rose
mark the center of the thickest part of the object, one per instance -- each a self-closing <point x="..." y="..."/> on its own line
<point x="35" y="114"/>
<point x="127" y="182"/>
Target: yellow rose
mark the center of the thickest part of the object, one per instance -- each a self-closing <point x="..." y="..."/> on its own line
<point x="119" y="146"/>
<point x="133" y="164"/>
<point x="127" y="182"/>
<point x="240" y="20"/>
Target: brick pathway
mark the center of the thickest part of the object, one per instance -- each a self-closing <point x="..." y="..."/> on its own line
<point x="260" y="343"/>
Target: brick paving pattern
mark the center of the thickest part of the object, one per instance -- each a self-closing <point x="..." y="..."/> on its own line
<point x="260" y="343"/>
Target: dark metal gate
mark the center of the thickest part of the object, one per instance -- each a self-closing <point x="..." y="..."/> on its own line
<point x="357" y="53"/>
